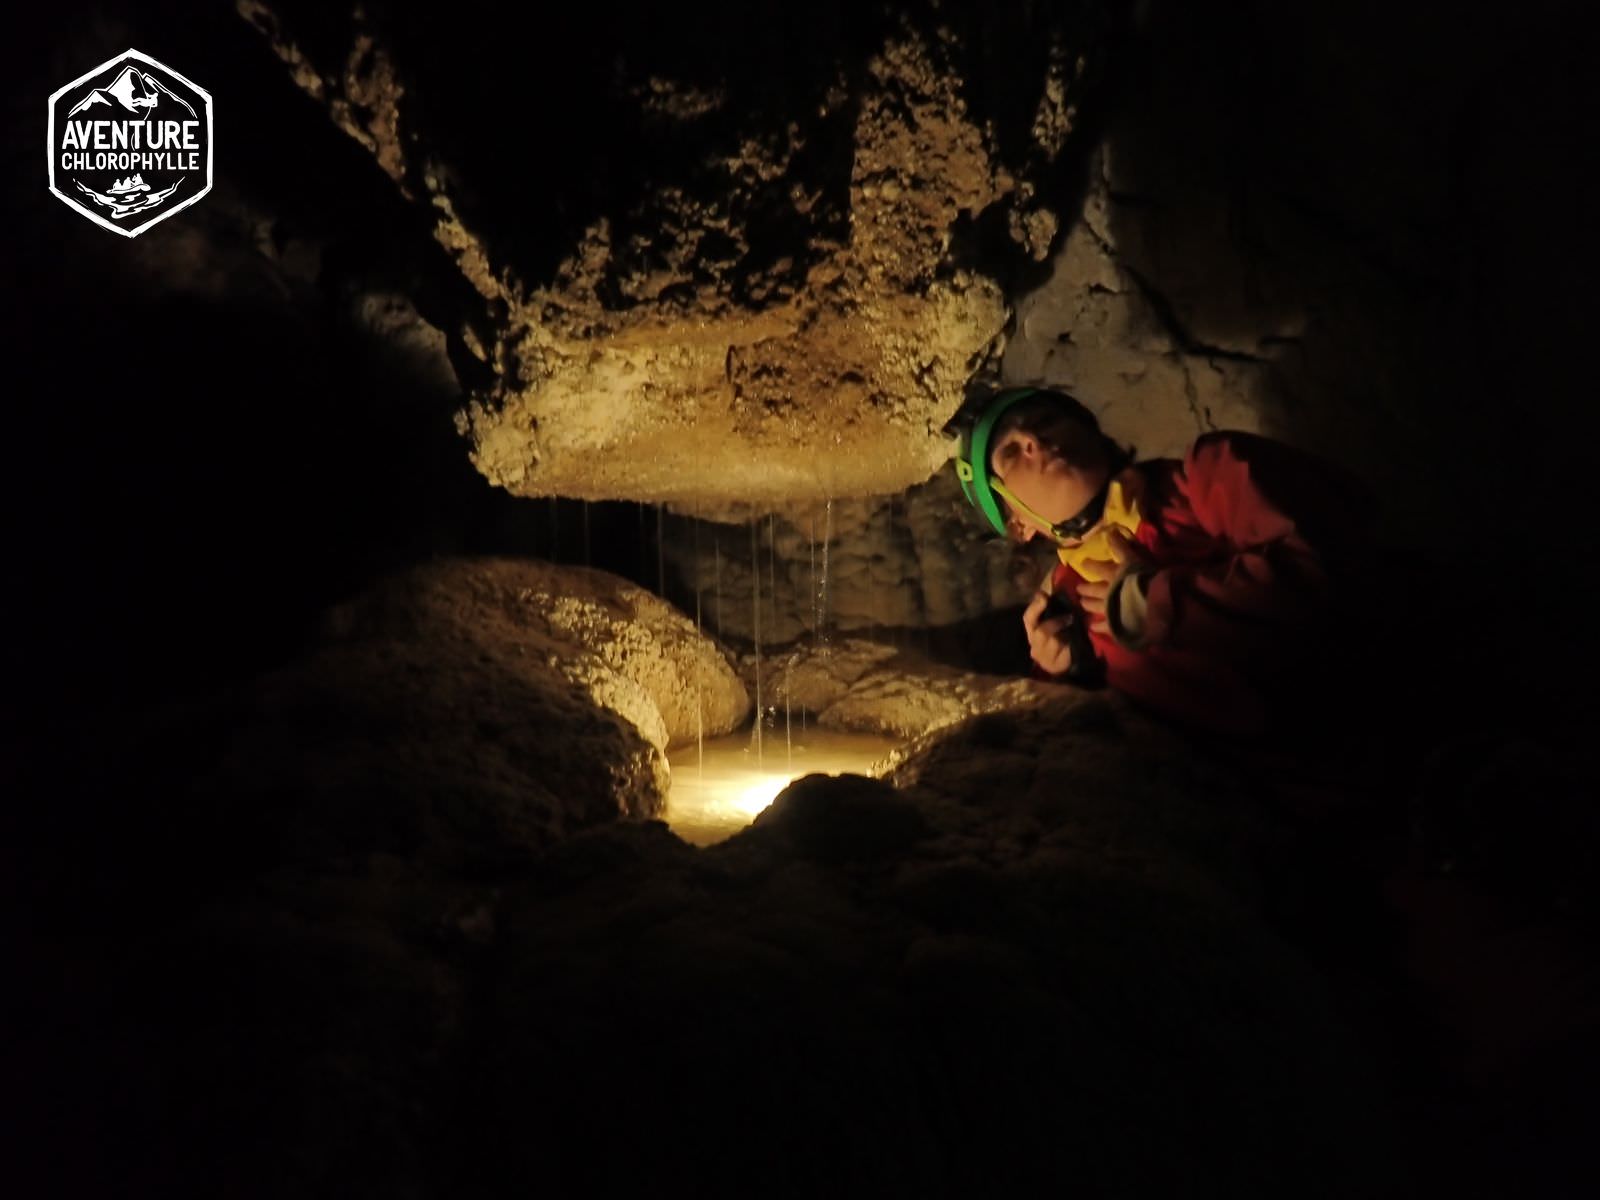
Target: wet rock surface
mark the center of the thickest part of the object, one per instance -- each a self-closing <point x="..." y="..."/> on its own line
<point x="863" y="686"/>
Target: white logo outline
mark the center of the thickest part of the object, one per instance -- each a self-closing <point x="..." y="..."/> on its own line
<point x="51" y="154"/>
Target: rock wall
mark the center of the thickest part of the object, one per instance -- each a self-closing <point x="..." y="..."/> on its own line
<point x="1329" y="222"/>
<point x="1098" y="329"/>
<point x="911" y="561"/>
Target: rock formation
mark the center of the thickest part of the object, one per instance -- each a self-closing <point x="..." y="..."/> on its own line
<point x="780" y="282"/>
<point x="1042" y="943"/>
<point x="631" y="652"/>
<point x="867" y="687"/>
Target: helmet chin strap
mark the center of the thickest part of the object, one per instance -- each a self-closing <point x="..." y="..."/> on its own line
<point x="1074" y="526"/>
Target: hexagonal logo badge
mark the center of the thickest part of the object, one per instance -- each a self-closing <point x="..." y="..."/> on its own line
<point x="130" y="143"/>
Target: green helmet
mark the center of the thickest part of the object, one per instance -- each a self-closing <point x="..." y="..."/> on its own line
<point x="985" y="493"/>
<point x="972" y="460"/>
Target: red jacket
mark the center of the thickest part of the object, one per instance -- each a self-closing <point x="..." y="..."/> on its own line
<point x="1246" y="543"/>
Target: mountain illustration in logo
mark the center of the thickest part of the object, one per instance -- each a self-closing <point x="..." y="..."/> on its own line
<point x="134" y="91"/>
<point x="128" y="196"/>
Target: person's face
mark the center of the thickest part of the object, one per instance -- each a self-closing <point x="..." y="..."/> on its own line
<point x="1041" y="479"/>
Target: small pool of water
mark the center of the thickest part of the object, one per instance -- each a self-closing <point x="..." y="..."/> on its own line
<point x="716" y="794"/>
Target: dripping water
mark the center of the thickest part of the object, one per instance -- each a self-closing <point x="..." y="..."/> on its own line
<point x="811" y="552"/>
<point x="661" y="560"/>
<point x="822" y="588"/>
<point x="643" y="545"/>
<point x="816" y="622"/>
<point x="755" y="573"/>
<point x="699" y="663"/>
<point x="772" y="589"/>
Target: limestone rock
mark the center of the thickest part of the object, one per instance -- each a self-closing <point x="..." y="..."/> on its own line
<point x="434" y="747"/>
<point x="860" y="686"/>
<point x="816" y="677"/>
<point x="792" y="293"/>
<point x="908" y="703"/>
<point x="440" y="716"/>
<point x="631" y="651"/>
<point x="465" y="713"/>
<point x="1097" y="329"/>
<point x="843" y="819"/>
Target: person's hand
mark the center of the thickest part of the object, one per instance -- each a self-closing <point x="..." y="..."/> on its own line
<point x="1046" y="638"/>
<point x="1092" y="597"/>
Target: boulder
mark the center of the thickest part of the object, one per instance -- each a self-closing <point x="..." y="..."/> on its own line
<point x="632" y="652"/>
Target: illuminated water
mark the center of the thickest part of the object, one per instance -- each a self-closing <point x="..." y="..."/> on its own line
<point x="720" y="791"/>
